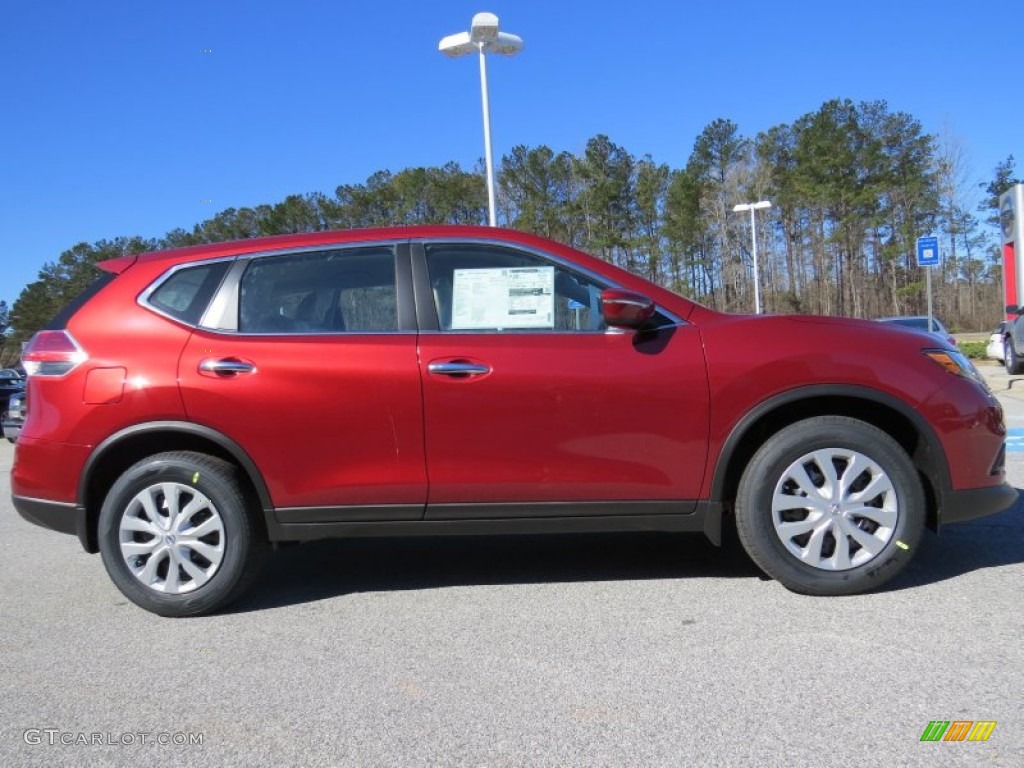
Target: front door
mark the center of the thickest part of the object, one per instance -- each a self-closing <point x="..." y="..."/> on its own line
<point x="530" y="399"/>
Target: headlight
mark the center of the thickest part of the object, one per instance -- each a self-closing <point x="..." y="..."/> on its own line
<point x="956" y="363"/>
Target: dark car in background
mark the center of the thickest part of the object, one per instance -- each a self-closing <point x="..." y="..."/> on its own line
<point x="13" y="416"/>
<point x="12" y="384"/>
<point x="204" y="403"/>
<point x="1013" y="340"/>
<point x="920" y="323"/>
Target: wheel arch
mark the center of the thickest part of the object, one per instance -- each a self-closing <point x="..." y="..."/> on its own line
<point x="887" y="412"/>
<point x="122" y="449"/>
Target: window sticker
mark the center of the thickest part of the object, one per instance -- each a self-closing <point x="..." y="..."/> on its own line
<point x="520" y="297"/>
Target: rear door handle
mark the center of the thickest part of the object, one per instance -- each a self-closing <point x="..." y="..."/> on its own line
<point x="229" y="366"/>
<point x="458" y="369"/>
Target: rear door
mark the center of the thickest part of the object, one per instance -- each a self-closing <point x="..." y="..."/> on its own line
<point x="311" y="369"/>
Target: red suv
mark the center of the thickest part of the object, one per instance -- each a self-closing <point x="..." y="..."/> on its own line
<point x="196" y="406"/>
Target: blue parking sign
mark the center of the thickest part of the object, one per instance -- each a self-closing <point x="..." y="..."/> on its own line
<point x="927" y="251"/>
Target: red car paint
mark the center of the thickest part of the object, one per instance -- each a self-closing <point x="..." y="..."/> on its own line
<point x="361" y="423"/>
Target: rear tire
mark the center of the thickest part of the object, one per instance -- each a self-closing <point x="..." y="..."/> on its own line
<point x="830" y="506"/>
<point x="176" y="537"/>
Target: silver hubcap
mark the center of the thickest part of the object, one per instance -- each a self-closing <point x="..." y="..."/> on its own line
<point x="835" y="509"/>
<point x="172" y="538"/>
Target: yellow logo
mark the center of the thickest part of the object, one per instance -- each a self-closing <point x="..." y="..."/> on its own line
<point x="958" y="730"/>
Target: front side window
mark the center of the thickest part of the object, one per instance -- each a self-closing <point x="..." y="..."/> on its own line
<point x="335" y="291"/>
<point x="480" y="287"/>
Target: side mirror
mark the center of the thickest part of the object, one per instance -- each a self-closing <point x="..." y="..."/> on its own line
<point x="625" y="309"/>
<point x="1013" y="309"/>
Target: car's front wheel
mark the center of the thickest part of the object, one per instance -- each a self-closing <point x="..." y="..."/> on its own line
<point x="830" y="506"/>
<point x="175" y="535"/>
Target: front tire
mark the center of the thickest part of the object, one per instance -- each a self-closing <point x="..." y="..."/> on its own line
<point x="830" y="506"/>
<point x="175" y="536"/>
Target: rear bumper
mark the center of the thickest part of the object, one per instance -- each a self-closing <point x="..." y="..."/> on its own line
<point x="960" y="506"/>
<point x="56" y="516"/>
<point x="45" y="470"/>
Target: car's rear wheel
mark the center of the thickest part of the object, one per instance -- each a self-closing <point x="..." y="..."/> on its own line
<point x="1010" y="359"/>
<point x="175" y="535"/>
<point x="830" y="506"/>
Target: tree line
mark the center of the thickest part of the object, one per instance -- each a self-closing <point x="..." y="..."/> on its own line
<point x="852" y="187"/>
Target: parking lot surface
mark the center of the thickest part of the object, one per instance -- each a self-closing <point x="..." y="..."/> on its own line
<point x="634" y="650"/>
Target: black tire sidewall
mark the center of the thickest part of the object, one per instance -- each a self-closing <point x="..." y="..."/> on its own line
<point x="754" y="515"/>
<point x="217" y="484"/>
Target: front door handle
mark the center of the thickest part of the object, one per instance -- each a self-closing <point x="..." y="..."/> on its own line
<point x="228" y="366"/>
<point x="458" y="369"/>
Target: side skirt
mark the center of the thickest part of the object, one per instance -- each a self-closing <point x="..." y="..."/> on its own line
<point x="309" y="524"/>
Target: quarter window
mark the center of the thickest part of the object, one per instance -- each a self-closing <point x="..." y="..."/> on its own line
<point x="334" y="291"/>
<point x="185" y="294"/>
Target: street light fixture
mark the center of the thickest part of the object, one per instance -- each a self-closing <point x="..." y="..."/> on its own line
<point x="483" y="37"/>
<point x="753" y="240"/>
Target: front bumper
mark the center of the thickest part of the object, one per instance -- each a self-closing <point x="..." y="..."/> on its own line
<point x="960" y="506"/>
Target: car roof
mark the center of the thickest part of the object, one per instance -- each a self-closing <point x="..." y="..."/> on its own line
<point x="330" y="237"/>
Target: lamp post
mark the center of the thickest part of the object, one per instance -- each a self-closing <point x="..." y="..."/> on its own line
<point x="753" y="240"/>
<point x="483" y="37"/>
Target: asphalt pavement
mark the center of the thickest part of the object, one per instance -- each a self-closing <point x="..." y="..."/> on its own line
<point x="633" y="650"/>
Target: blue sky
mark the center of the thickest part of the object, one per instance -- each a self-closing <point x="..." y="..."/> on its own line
<point x="117" y="121"/>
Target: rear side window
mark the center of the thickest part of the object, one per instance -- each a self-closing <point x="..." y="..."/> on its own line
<point x="336" y="291"/>
<point x="185" y="294"/>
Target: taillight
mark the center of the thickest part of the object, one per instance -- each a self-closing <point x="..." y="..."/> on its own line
<point x="52" y="353"/>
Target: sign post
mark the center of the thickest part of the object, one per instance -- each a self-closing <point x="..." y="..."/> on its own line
<point x="1011" y="220"/>
<point x="928" y="256"/>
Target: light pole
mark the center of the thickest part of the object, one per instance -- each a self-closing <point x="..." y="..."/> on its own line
<point x="753" y="240"/>
<point x="483" y="37"/>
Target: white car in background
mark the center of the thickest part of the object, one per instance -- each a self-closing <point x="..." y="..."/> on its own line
<point x="996" y="345"/>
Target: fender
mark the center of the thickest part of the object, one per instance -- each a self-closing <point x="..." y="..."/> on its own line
<point x="183" y="427"/>
<point x="936" y="455"/>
